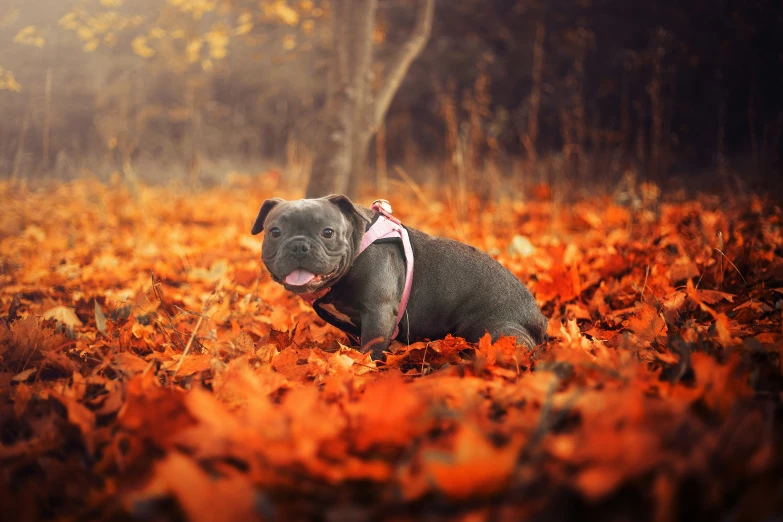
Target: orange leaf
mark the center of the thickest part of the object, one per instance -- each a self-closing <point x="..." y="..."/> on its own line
<point x="196" y="491"/>
<point x="646" y="323"/>
<point x="475" y="468"/>
<point x="395" y="422"/>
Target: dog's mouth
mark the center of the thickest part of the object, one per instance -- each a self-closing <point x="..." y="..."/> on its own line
<point x="301" y="280"/>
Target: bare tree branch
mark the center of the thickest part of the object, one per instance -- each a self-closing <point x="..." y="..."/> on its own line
<point x="359" y="29"/>
<point x="340" y="55"/>
<point x="401" y="60"/>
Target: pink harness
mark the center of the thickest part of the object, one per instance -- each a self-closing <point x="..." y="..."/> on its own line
<point x="385" y="227"/>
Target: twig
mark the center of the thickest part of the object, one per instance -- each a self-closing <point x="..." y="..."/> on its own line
<point x="697" y="282"/>
<point x="644" y="285"/>
<point x="159" y="296"/>
<point x="148" y="368"/>
<point x="163" y="305"/>
<point x="182" y="310"/>
<point x="190" y="342"/>
<point x="204" y="310"/>
<point x="720" y="265"/>
<point x="373" y="368"/>
<point x="732" y="264"/>
<point x="154" y="316"/>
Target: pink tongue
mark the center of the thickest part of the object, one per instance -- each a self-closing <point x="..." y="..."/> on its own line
<point x="299" y="277"/>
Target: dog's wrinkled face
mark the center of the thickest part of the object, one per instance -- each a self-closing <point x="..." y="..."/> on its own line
<point x="309" y="243"/>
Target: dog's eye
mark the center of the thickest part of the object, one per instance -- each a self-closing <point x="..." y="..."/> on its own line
<point x="328" y="232"/>
<point x="275" y="232"/>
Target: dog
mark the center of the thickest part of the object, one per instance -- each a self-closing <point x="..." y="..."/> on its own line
<point x="378" y="280"/>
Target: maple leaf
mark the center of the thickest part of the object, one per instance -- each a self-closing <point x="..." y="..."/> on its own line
<point x="182" y="478"/>
<point x="476" y="467"/>
<point x="576" y="340"/>
<point x="268" y="400"/>
<point x="393" y="424"/>
<point x="152" y="411"/>
<point x="80" y="416"/>
<point x="646" y="324"/>
<point x="28" y="343"/>
<point x="129" y="363"/>
<point x="560" y="283"/>
<point x="191" y="364"/>
<point x="63" y="315"/>
<point x="722" y="385"/>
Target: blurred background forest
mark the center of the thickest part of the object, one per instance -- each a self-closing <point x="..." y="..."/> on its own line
<point x="506" y="95"/>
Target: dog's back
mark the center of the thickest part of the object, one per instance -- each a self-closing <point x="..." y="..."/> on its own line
<point x="468" y="293"/>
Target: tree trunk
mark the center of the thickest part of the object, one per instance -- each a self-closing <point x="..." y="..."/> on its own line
<point x="359" y="161"/>
<point x="352" y="24"/>
<point x="353" y="111"/>
<point x="331" y="166"/>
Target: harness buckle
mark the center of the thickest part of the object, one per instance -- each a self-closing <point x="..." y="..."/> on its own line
<point x="382" y="205"/>
<point x="385" y="209"/>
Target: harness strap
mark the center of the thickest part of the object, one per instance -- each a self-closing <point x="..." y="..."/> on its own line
<point x="389" y="227"/>
<point x="385" y="227"/>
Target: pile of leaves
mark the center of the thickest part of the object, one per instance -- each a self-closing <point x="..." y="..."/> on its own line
<point x="151" y="369"/>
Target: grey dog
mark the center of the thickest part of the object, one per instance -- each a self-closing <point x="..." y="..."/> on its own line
<point x="311" y="246"/>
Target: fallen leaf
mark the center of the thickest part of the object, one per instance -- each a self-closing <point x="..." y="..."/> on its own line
<point x="63" y="315"/>
<point x="22" y="396"/>
<point x="100" y="319"/>
<point x="180" y="477"/>
<point x="24" y="375"/>
<point x="475" y="468"/>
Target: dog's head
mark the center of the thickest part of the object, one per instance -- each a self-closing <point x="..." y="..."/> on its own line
<point x="310" y="244"/>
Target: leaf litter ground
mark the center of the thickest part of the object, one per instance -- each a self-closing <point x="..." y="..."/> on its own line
<point x="150" y="369"/>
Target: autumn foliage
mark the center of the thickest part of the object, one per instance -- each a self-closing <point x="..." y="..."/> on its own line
<point x="151" y="369"/>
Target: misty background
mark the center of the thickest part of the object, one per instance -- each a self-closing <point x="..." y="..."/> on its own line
<point x="505" y="95"/>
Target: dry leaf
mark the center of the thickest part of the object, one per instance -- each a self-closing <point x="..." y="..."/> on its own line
<point x="63" y="315"/>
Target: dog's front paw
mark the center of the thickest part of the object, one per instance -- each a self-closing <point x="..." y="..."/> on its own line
<point x="377" y="354"/>
<point x="374" y="344"/>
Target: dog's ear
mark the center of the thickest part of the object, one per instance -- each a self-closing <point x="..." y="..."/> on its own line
<point x="354" y="212"/>
<point x="267" y="207"/>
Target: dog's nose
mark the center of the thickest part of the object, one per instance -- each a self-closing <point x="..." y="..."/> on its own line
<point x="300" y="248"/>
